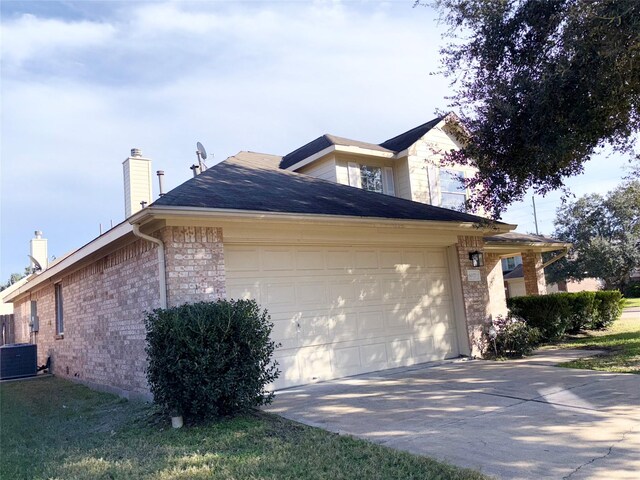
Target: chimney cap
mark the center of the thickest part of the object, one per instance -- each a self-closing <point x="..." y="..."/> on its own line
<point x="136" y="152"/>
<point x="38" y="234"/>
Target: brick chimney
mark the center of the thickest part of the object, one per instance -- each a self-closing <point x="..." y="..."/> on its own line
<point x="137" y="182"/>
<point x="39" y="250"/>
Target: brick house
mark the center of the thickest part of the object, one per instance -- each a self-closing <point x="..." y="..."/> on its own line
<point x="355" y="279"/>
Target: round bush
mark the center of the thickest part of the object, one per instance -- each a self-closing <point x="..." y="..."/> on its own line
<point x="512" y="338"/>
<point x="210" y="359"/>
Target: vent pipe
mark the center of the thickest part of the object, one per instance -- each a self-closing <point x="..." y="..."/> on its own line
<point x="160" y="174"/>
<point x="196" y="170"/>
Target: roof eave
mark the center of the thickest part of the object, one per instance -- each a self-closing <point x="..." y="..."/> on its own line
<point x="514" y="247"/>
<point x="165" y="212"/>
<point x="76" y="257"/>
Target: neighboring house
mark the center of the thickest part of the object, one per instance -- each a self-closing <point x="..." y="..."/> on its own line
<point x="355" y="279"/>
<point x="513" y="273"/>
<point x="571" y="286"/>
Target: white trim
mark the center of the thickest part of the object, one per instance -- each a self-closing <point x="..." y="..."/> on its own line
<point x="93" y="246"/>
<point x="364" y="151"/>
<point x="388" y="182"/>
<point x="355" y="177"/>
<point x="312" y="158"/>
<point x="343" y="149"/>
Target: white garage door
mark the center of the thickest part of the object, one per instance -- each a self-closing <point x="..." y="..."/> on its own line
<point x="344" y="311"/>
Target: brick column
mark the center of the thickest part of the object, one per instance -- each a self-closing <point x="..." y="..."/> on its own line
<point x="195" y="264"/>
<point x="534" y="282"/>
<point x="475" y="294"/>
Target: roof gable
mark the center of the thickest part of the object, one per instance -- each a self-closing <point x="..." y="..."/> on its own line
<point x="393" y="145"/>
<point x="405" y="140"/>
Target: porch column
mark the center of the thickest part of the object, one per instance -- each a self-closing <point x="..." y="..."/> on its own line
<point x="475" y="291"/>
<point x="534" y="282"/>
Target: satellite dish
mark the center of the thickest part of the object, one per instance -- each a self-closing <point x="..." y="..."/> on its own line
<point x="201" y="151"/>
<point x="36" y="264"/>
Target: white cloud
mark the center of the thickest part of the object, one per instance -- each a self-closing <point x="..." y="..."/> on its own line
<point x="30" y="37"/>
<point x="161" y="76"/>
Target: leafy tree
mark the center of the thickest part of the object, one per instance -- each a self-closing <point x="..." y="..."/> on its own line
<point x="15" y="277"/>
<point x="605" y="232"/>
<point x="540" y="85"/>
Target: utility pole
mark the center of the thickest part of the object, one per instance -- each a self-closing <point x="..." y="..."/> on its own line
<point x="535" y="215"/>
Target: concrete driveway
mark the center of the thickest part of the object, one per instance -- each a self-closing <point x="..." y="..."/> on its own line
<point x="512" y="420"/>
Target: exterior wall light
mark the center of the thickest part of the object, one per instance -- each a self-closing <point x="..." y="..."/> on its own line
<point x="477" y="258"/>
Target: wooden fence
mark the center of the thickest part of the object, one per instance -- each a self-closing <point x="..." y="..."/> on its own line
<point x="7" y="329"/>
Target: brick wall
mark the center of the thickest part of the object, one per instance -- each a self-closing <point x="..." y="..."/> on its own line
<point x="195" y="264"/>
<point x="104" y="334"/>
<point x="105" y="304"/>
<point x="534" y="281"/>
<point x="475" y="294"/>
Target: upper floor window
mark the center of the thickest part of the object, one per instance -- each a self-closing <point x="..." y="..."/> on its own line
<point x="452" y="190"/>
<point x="372" y="178"/>
<point x="59" y="309"/>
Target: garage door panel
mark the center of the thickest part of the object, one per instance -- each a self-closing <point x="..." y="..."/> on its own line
<point x="365" y="259"/>
<point x="436" y="259"/>
<point x="243" y="290"/>
<point x="339" y="259"/>
<point x="348" y="357"/>
<point x="399" y="351"/>
<point x="374" y="356"/>
<point x="289" y="369"/>
<point x="242" y="259"/>
<point x="414" y="259"/>
<point x="368" y="291"/>
<point x="285" y="332"/>
<point x="274" y="259"/>
<point x="340" y="311"/>
<point x="424" y="346"/>
<point x="311" y="293"/>
<point x="309" y="259"/>
<point x="370" y="321"/>
<point x="390" y="259"/>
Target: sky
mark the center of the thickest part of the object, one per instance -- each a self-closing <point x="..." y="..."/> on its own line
<point x="83" y="82"/>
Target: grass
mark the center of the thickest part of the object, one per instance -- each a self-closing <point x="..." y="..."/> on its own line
<point x="631" y="302"/>
<point x="621" y="343"/>
<point x="55" y="429"/>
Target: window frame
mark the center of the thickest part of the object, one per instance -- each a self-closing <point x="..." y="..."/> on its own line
<point x="59" y="309"/>
<point x="460" y="192"/>
<point x="387" y="182"/>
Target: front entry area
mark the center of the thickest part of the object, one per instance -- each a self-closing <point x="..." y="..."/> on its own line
<point x="347" y="310"/>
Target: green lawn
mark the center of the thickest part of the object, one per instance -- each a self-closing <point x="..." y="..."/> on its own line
<point x="55" y="429"/>
<point x="631" y="302"/>
<point x="622" y="345"/>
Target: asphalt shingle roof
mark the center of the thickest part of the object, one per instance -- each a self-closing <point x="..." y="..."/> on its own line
<point x="515" y="237"/>
<point x="240" y="186"/>
<point x="393" y="145"/>
<point x="406" y="139"/>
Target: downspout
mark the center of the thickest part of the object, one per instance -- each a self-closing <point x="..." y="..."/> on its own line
<point x="162" y="269"/>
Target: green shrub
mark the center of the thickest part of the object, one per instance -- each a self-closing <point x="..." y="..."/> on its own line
<point x="512" y="337"/>
<point x="632" y="290"/>
<point x="210" y="359"/>
<point x="608" y="306"/>
<point x="582" y="310"/>
<point x="550" y="314"/>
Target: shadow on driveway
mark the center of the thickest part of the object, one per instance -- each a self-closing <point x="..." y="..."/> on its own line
<point x="515" y="420"/>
